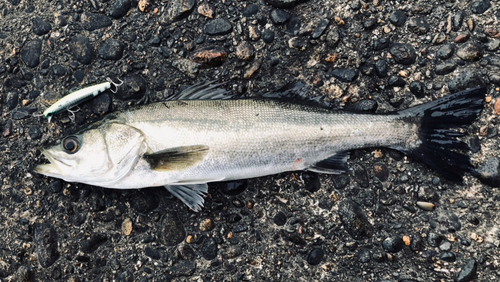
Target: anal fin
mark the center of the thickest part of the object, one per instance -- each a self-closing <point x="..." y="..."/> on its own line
<point x="191" y="195"/>
<point x="333" y="165"/>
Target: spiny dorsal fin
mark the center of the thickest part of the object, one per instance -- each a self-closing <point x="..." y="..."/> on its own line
<point x="296" y="92"/>
<point x="177" y="158"/>
<point x="202" y="91"/>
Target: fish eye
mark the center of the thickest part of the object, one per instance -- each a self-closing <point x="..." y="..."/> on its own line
<point x="71" y="144"/>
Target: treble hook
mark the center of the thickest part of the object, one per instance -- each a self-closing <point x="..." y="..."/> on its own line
<point x="114" y="84"/>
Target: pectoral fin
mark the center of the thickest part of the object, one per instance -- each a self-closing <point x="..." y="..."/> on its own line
<point x="178" y="158"/>
<point x="333" y="165"/>
<point x="191" y="195"/>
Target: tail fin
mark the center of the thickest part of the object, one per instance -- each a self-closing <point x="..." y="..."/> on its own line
<point x="438" y="119"/>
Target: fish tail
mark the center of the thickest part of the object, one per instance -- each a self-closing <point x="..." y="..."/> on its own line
<point x="437" y="135"/>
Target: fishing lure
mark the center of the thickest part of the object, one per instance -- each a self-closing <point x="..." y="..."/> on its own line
<point x="79" y="96"/>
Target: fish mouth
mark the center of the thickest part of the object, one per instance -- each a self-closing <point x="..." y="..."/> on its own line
<point x="55" y="166"/>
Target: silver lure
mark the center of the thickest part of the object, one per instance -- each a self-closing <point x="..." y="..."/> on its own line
<point x="77" y="97"/>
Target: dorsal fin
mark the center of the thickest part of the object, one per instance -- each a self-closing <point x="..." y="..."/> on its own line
<point x="296" y="92"/>
<point x="202" y="91"/>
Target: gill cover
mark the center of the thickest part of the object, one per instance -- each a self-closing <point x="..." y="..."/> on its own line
<point x="101" y="155"/>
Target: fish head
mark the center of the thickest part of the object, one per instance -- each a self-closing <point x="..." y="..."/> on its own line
<point x="100" y="155"/>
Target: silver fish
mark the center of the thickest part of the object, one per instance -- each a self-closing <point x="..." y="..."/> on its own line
<point x="201" y="136"/>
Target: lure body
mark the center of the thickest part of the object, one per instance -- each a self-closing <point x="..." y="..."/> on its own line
<point x="75" y="98"/>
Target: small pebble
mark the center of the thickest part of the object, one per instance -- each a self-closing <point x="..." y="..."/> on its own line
<point x="127" y="226"/>
<point x="425" y="205"/>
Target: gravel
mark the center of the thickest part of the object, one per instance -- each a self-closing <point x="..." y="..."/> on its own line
<point x="362" y="56"/>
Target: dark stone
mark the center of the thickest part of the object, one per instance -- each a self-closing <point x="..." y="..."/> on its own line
<point x="279" y="219"/>
<point x="145" y="202"/>
<point x="445" y="51"/>
<point x="354" y="220"/>
<point x="31" y="52"/>
<point x="381" y="44"/>
<point x="83" y="258"/>
<point x="464" y="80"/>
<point x="381" y="68"/>
<point x="232" y="188"/>
<point x="41" y="27"/>
<point x="296" y="239"/>
<point x="470" y="52"/>
<point x="367" y="69"/>
<point x="345" y="75"/>
<point x="418" y="89"/>
<point x="315" y="256"/>
<point x="370" y="23"/>
<point x="475" y="144"/>
<point x="79" y="76"/>
<point x="233" y="218"/>
<point x="434" y="239"/>
<point x="100" y="105"/>
<point x="45" y="238"/>
<point x="364" y="256"/>
<point x="419" y="26"/>
<point x="134" y="87"/>
<point x="250" y="10"/>
<point x="333" y="38"/>
<point x="93" y="243"/>
<point x="340" y="181"/>
<point x="155" y="41"/>
<point x="111" y="49"/>
<point x="12" y="100"/>
<point x="361" y="176"/>
<point x="279" y="16"/>
<point x="480" y="6"/>
<point x="177" y="10"/>
<point x="397" y="18"/>
<point x="403" y="53"/>
<point x="284" y="3"/>
<point x="268" y="36"/>
<point x="416" y="243"/>
<point x="125" y="276"/>
<point x="458" y="19"/>
<point x="35" y="132"/>
<point x="56" y="186"/>
<point x="445" y="68"/>
<point x="58" y="70"/>
<point x="23" y="113"/>
<point x="293" y="25"/>
<point x="171" y="231"/>
<point x="186" y="252"/>
<point x="219" y="26"/>
<point x="393" y="244"/>
<point x="318" y="31"/>
<point x="82" y="49"/>
<point x="209" y="249"/>
<point x="448" y="257"/>
<point x="468" y="271"/>
<point x="396" y="81"/>
<point x="119" y="8"/>
<point x="95" y="21"/>
<point x="493" y="60"/>
<point x="311" y="181"/>
<point x="61" y="21"/>
<point x="489" y="172"/>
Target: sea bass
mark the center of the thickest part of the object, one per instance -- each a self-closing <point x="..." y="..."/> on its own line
<point x="202" y="135"/>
